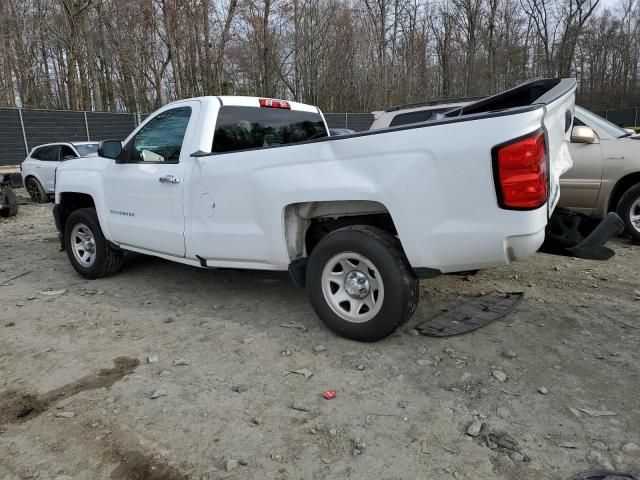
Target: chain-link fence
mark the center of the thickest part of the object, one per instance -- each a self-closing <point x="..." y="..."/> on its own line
<point x="22" y="129"/>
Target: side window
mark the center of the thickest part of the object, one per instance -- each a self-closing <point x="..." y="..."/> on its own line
<point x="411" y="117"/>
<point x="66" y="153"/>
<point x="47" y="154"/>
<point x="160" y="140"/>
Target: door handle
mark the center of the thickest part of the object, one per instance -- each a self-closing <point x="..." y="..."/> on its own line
<point x="169" y="179"/>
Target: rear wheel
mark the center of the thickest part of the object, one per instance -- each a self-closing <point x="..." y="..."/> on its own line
<point x="36" y="190"/>
<point x="629" y="211"/>
<point x="89" y="252"/>
<point x="360" y="283"/>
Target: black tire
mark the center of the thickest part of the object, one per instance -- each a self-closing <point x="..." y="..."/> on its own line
<point x="36" y="190"/>
<point x="10" y="201"/>
<point x="628" y="206"/>
<point x="108" y="259"/>
<point x="383" y="250"/>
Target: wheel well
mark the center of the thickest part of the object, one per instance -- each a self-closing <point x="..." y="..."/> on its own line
<point x="307" y="223"/>
<point x="624" y="184"/>
<point x="71" y="201"/>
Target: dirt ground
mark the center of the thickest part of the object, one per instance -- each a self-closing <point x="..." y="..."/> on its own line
<point x="76" y="382"/>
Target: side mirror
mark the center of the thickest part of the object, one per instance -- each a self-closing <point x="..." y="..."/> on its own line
<point x="68" y="157"/>
<point x="109" y="148"/>
<point x="583" y="134"/>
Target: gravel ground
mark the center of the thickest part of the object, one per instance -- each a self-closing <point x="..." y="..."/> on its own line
<point x="169" y="372"/>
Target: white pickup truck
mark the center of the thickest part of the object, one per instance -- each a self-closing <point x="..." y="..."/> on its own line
<point x="253" y="183"/>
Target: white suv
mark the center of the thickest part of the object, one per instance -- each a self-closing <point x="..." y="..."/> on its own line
<point x="39" y="168"/>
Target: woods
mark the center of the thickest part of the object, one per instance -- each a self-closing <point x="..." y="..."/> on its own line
<point x="342" y="55"/>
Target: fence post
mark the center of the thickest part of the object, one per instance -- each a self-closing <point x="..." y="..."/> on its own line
<point x="24" y="134"/>
<point x="86" y="126"/>
<point x="635" y="122"/>
<point x="346" y="120"/>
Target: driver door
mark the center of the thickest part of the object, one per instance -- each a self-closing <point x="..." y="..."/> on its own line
<point x="144" y="187"/>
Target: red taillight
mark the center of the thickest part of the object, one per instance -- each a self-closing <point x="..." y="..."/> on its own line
<point x="520" y="168"/>
<point x="271" y="103"/>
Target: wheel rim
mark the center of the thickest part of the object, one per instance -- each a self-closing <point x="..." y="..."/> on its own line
<point x="352" y="287"/>
<point x="634" y="214"/>
<point x="83" y="245"/>
<point x="34" y="191"/>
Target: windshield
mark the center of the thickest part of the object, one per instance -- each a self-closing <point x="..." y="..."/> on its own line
<point x="591" y="118"/>
<point x="87" y="149"/>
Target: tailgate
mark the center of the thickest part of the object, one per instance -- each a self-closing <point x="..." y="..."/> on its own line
<point x="558" y="117"/>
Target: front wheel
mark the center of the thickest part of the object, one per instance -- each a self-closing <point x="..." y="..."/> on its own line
<point x="36" y="190"/>
<point x="629" y="211"/>
<point x="360" y="283"/>
<point x="89" y="252"/>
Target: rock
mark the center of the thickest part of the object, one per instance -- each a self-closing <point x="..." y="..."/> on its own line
<point x="230" y="464"/>
<point x="168" y="320"/>
<point x="543" y="390"/>
<point x="360" y="367"/>
<point x="594" y="456"/>
<point x="600" y="446"/>
<point x="256" y="420"/>
<point x="153" y="359"/>
<point x="277" y="458"/>
<point x="301" y="371"/>
<point x="53" y="293"/>
<point x="296" y="325"/>
<point x="65" y="414"/>
<point x="247" y="341"/>
<point x="557" y="269"/>
<point x="509" y="354"/>
<point x="333" y="431"/>
<point x="10" y="324"/>
<point x="502" y="412"/>
<point x="516" y="457"/>
<point x="319" y="348"/>
<point x="158" y="393"/>
<point x="403" y="404"/>
<point x="423" y="362"/>
<point x="300" y="407"/>
<point x="286" y="353"/>
<point x="181" y="361"/>
<point x="473" y="430"/>
<point x="569" y="445"/>
<point x="165" y="373"/>
<point x="597" y="413"/>
<point x="630" y="448"/>
<point x="412" y="332"/>
<point x="499" y="375"/>
<point x="239" y="388"/>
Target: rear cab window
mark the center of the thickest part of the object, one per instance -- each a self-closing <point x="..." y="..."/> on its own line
<point x="243" y="128"/>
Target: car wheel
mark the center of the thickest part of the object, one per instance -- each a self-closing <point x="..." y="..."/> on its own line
<point x="629" y="211"/>
<point x="360" y="283"/>
<point x="89" y="252"/>
<point x="10" y="200"/>
<point x="36" y="190"/>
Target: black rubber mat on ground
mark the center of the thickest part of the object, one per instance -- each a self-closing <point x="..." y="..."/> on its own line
<point x="472" y="314"/>
<point x="605" y="475"/>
